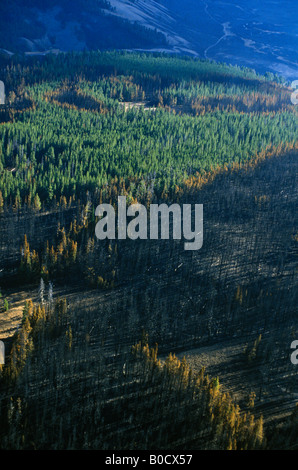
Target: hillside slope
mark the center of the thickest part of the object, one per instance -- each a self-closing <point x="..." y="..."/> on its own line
<point x="81" y="129"/>
<point x="262" y="37"/>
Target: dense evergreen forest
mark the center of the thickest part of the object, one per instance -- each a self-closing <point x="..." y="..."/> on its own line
<point x="79" y="129"/>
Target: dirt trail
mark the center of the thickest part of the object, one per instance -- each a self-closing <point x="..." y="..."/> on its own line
<point x="10" y="320"/>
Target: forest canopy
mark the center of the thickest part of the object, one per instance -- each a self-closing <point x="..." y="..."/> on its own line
<point x="78" y="122"/>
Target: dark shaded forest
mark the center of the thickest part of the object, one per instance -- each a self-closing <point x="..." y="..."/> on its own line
<point x="97" y="361"/>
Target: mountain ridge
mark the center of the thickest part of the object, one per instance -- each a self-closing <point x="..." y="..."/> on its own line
<point x="259" y="37"/>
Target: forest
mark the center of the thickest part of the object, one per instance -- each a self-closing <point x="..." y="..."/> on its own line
<point x="108" y="350"/>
